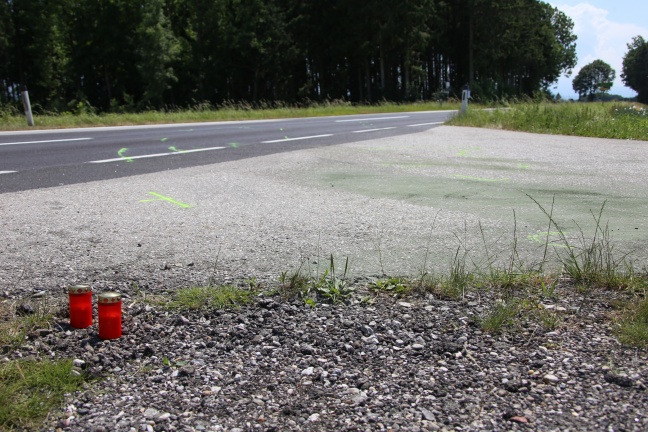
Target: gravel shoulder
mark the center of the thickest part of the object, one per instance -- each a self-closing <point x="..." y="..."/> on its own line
<point x="419" y="363"/>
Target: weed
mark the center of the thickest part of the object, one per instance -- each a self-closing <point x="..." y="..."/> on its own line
<point x="549" y="319"/>
<point x="393" y="285"/>
<point x="548" y="291"/>
<point x="332" y="287"/>
<point x="634" y="329"/>
<point x="210" y="297"/>
<point x="592" y="262"/>
<point x="501" y="315"/>
<point x="294" y="285"/>
<point x="14" y="327"/>
<point x="29" y="389"/>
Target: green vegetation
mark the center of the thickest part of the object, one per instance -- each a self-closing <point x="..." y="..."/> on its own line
<point x="11" y="119"/>
<point x="635" y="64"/>
<point x="634" y="328"/>
<point x="29" y="389"/>
<point x="600" y="120"/>
<point x="210" y="297"/>
<point x="593" y="79"/>
<point x="128" y="56"/>
<point x="15" y="325"/>
<point x="308" y="287"/>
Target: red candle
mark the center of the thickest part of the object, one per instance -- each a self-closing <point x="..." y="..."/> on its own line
<point x="80" y="306"/>
<point x="110" y="315"/>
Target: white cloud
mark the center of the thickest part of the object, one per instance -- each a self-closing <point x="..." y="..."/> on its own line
<point x="599" y="38"/>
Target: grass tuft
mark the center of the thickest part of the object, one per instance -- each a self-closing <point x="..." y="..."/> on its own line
<point x="14" y="327"/>
<point x="634" y="329"/>
<point x="210" y="297"/>
<point x="29" y="389"/>
<point x="500" y="316"/>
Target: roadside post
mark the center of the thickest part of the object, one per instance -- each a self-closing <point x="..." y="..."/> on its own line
<point x="465" y="95"/>
<point x="27" y="105"/>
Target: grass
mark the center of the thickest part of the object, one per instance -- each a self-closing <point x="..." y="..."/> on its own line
<point x="308" y="287"/>
<point x="210" y="298"/>
<point x="634" y="328"/>
<point x="11" y="120"/>
<point x="15" y="326"/>
<point x="501" y="315"/>
<point x="29" y="389"/>
<point x="601" y="120"/>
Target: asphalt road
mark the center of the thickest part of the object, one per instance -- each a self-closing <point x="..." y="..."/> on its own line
<point x="40" y="159"/>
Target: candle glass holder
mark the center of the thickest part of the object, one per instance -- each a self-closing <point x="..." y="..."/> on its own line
<point x="80" y="306"/>
<point x="110" y="315"/>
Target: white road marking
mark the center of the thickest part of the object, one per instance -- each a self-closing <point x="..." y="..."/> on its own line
<point x="7" y="172"/>
<point x="47" y="141"/>
<point x="122" y="159"/>
<point x="296" y="139"/>
<point x="370" y="119"/>
<point x="373" y="130"/>
<point x="426" y="124"/>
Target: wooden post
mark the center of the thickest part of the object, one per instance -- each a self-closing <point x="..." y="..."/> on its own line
<point x="28" y="111"/>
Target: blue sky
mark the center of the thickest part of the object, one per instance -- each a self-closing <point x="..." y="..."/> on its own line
<point x="604" y="28"/>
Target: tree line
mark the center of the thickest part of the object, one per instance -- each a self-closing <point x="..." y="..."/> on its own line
<point x="152" y="54"/>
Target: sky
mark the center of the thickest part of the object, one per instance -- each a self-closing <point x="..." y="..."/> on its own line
<point x="604" y="28"/>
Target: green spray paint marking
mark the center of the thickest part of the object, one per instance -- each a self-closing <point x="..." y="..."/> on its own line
<point x="466" y="152"/>
<point x="164" y="198"/>
<point x="164" y="139"/>
<point x="524" y="166"/>
<point x="173" y="149"/>
<point x="544" y="234"/>
<point x="233" y="145"/>
<point x="464" y="177"/>
<point x="121" y="152"/>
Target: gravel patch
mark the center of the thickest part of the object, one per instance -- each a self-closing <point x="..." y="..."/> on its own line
<point x="386" y="364"/>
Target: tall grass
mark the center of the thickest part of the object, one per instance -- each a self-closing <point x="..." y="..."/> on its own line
<point x="601" y="120"/>
<point x="12" y="120"/>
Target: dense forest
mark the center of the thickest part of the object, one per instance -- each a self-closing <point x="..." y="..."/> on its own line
<point x="116" y="55"/>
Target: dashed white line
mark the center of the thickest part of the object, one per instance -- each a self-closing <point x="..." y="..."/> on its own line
<point x="373" y="130"/>
<point x="125" y="158"/>
<point x="296" y="139"/>
<point x="370" y="119"/>
<point x="7" y="172"/>
<point x="46" y="141"/>
<point x="426" y="124"/>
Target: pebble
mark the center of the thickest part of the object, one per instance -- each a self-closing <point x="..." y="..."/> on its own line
<point x="380" y="367"/>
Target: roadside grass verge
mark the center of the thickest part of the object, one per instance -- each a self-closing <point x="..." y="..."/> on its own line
<point x="596" y="119"/>
<point x="29" y="389"/>
<point x="206" y="113"/>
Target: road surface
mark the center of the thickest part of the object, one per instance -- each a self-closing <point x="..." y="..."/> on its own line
<point x="32" y="160"/>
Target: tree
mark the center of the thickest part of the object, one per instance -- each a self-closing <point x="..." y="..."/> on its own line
<point x="593" y="78"/>
<point x="635" y="68"/>
<point x="157" y="49"/>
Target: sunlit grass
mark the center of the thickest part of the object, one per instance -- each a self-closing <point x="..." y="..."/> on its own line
<point x="30" y="389"/>
<point x="228" y="112"/>
<point x="600" y="120"/>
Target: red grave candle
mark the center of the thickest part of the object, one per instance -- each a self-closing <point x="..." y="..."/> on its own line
<point x="110" y="315"/>
<point x="80" y="306"/>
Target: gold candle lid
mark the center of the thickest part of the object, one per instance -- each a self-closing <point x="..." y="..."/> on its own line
<point x="80" y="289"/>
<point x="109" y="297"/>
